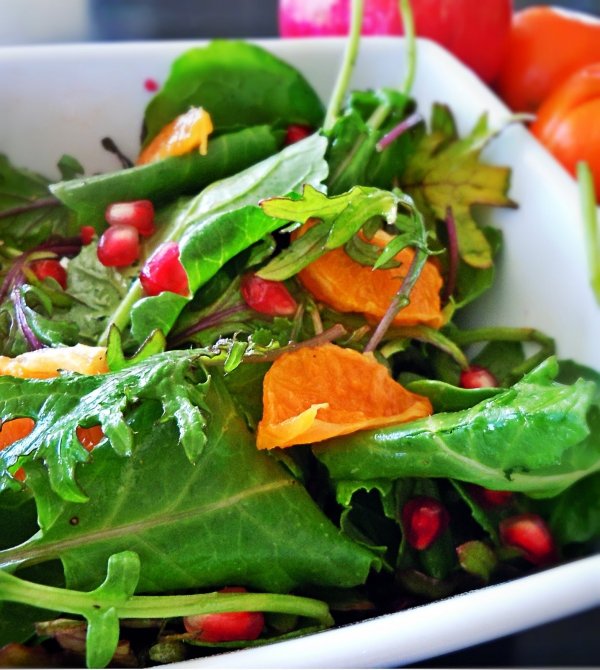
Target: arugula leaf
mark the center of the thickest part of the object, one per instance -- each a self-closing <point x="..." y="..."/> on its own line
<point x="59" y="405"/>
<point x="166" y="179"/>
<point x="41" y="215"/>
<point x="239" y="84"/>
<point x="529" y="438"/>
<point x="445" y="172"/>
<point x="234" y="516"/>
<point x="340" y="218"/>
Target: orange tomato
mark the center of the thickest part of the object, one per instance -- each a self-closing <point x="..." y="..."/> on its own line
<point x="568" y="122"/>
<point x="315" y="393"/>
<point x="546" y="45"/>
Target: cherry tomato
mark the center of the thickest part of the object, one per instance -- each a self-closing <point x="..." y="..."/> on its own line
<point x="568" y="122"/>
<point x="475" y="31"/>
<point x="546" y="45"/>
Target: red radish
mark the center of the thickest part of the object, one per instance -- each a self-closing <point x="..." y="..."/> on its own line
<point x="476" y="32"/>
<point x="490" y="498"/>
<point x="137" y="213"/>
<point x="119" y="246"/>
<point x="266" y="296"/>
<point x="87" y="234"/>
<point x="296" y="132"/>
<point x="424" y="519"/>
<point x="225" y="626"/>
<point x="50" y="268"/>
<point x="530" y="534"/>
<point x="163" y="271"/>
<point x="477" y="377"/>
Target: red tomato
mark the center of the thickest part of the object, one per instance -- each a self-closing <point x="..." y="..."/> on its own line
<point x="568" y="122"/>
<point x="475" y="31"/>
<point x="546" y="45"/>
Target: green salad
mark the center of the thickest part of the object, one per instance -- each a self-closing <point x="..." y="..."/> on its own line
<point x="279" y="424"/>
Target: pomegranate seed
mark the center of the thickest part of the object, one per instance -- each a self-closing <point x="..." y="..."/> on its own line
<point x="138" y="213"/>
<point x="477" y="378"/>
<point x="87" y="234"/>
<point x="119" y="246"/>
<point x="296" y="132"/>
<point x="163" y="271"/>
<point x="50" y="268"/>
<point x="225" y="626"/>
<point x="267" y="297"/>
<point x="530" y="534"/>
<point x="488" y="497"/>
<point x="424" y="519"/>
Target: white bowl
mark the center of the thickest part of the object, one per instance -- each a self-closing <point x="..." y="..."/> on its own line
<point x="64" y="99"/>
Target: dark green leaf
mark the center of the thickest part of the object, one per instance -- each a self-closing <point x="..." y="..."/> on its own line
<point x="234" y="517"/>
<point x="239" y="84"/>
<point x="166" y="179"/>
<point x="530" y="438"/>
<point x="40" y="216"/>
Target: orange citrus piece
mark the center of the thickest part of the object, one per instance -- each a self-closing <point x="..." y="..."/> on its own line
<point x="337" y="280"/>
<point x="183" y="134"/>
<point x="90" y="437"/>
<point x="45" y="363"/>
<point x="315" y="393"/>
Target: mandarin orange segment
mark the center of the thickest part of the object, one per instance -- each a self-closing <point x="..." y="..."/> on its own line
<point x="90" y="437"/>
<point x="185" y="133"/>
<point x="15" y="429"/>
<point x="337" y="280"/>
<point x="315" y="393"/>
<point x="45" y="363"/>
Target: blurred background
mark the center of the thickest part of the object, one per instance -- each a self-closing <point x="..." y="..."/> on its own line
<point x="46" y="21"/>
<point x="572" y="642"/>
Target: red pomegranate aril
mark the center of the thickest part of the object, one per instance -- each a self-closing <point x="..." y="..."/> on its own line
<point x="489" y="497"/>
<point x="137" y="213"/>
<point x="266" y="296"/>
<point x="477" y="377"/>
<point x="87" y="234"/>
<point x="424" y="519"/>
<point x="163" y="271"/>
<point x="225" y="626"/>
<point x="119" y="246"/>
<point x="529" y="533"/>
<point x="50" y="268"/>
<point x="297" y="132"/>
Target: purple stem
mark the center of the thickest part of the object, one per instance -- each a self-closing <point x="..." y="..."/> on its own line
<point x="29" y="335"/>
<point x="64" y="246"/>
<point x="452" y="254"/>
<point x="212" y="320"/>
<point x="30" y="206"/>
<point x="404" y="125"/>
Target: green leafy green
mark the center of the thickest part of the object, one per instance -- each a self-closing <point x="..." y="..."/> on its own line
<point x="239" y="85"/>
<point x="339" y="219"/>
<point x="218" y="224"/>
<point x="530" y="438"/>
<point x="97" y="291"/>
<point x="447" y="173"/>
<point x="169" y="178"/>
<point x="234" y="516"/>
<point x="35" y="214"/>
<point x="59" y="405"/>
